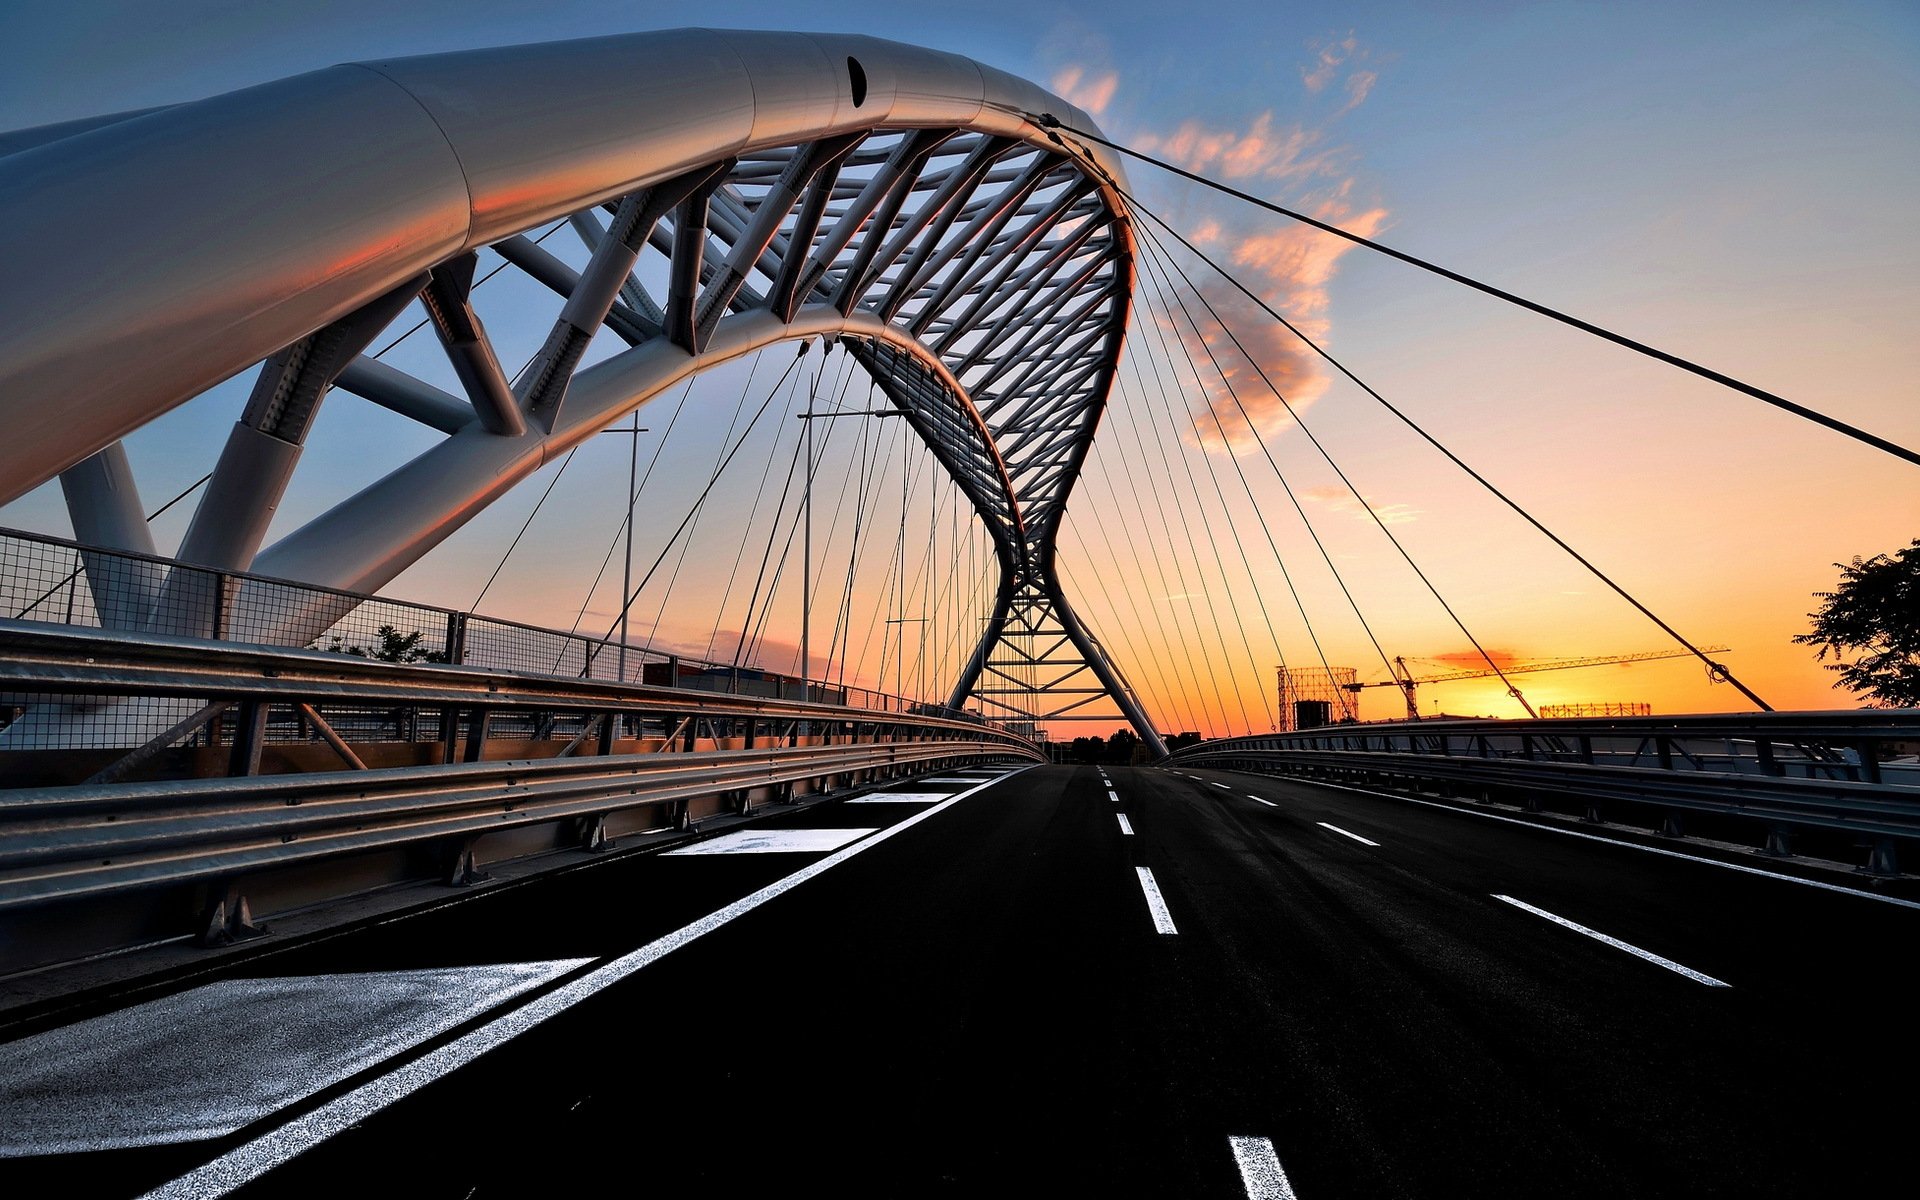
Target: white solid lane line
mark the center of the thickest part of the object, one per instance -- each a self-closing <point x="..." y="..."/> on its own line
<point x="1343" y="833"/>
<point x="1260" y="1170"/>
<point x="1262" y="800"/>
<point x="1607" y="841"/>
<point x="1616" y="943"/>
<point x="1126" y="826"/>
<point x="255" y="1158"/>
<point x="1156" y="904"/>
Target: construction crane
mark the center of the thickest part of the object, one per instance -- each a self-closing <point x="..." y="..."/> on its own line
<point x="1408" y="685"/>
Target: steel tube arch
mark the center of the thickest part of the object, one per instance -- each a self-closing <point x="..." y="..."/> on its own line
<point x="800" y="185"/>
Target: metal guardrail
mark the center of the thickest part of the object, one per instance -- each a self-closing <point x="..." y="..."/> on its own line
<point x="54" y="581"/>
<point x="73" y="842"/>
<point x="584" y="756"/>
<point x="1786" y="771"/>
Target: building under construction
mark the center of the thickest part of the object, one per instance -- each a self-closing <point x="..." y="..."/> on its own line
<point x="1314" y="696"/>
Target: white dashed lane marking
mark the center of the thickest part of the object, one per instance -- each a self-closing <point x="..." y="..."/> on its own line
<point x="1616" y="943"/>
<point x="1343" y="833"/>
<point x="1262" y="800"/>
<point x="1156" y="903"/>
<point x="1126" y="826"/>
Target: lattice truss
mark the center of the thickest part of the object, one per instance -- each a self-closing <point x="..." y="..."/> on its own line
<point x="982" y="280"/>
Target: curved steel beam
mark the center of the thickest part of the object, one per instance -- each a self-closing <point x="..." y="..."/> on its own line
<point x="794" y="186"/>
<point x="397" y="166"/>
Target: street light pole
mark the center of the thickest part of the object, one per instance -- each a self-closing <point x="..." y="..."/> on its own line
<point x="806" y="545"/>
<point x="626" y="576"/>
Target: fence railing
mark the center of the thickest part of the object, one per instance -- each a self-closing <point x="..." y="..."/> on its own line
<point x="62" y="582"/>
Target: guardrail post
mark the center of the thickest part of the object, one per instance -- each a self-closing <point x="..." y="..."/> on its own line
<point x="1779" y="842"/>
<point x="593" y="833"/>
<point x="449" y="733"/>
<point x="477" y="721"/>
<point x="609" y="727"/>
<point x="456" y="637"/>
<point x="461" y="870"/>
<point x="227" y="917"/>
<point x="249" y="737"/>
<point x="1883" y="859"/>
<point x="1869" y="753"/>
<point x="220" y="606"/>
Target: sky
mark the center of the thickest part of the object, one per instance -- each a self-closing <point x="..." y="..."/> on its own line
<point x="1730" y="182"/>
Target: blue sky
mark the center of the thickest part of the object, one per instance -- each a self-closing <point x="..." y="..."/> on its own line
<point x="1733" y="182"/>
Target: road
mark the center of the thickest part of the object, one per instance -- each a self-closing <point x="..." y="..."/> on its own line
<point x="1336" y="995"/>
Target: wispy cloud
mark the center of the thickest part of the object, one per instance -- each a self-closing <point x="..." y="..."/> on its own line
<point x="1289" y="266"/>
<point x="1340" y="500"/>
<point x="1087" y="89"/>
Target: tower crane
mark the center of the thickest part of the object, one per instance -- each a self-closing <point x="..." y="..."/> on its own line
<point x="1408" y="685"/>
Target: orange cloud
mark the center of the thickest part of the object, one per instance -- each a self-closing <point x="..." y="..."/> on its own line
<point x="1090" y="92"/>
<point x="1290" y="267"/>
<point x="1292" y="152"/>
<point x="1329" y="56"/>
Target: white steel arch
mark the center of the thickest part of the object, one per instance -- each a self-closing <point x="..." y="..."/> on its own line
<point x="905" y="202"/>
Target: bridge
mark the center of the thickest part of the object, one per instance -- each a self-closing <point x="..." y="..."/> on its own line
<point x="299" y="874"/>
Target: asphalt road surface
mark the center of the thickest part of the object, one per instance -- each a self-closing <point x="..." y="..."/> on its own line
<point x="1060" y="982"/>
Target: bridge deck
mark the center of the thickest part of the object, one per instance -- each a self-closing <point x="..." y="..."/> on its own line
<point x="975" y="1001"/>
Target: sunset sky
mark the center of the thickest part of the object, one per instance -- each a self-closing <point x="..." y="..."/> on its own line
<point x="1732" y="182"/>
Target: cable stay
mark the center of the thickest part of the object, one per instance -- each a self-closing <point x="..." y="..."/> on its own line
<point x="1168" y="264"/>
<point x="1175" y="538"/>
<point x="719" y="469"/>
<point x="627" y="514"/>
<point x="1253" y="503"/>
<point x="1047" y="120"/>
<point x="1185" y="592"/>
<point x="1172" y="436"/>
<point x="1300" y="509"/>
<point x="1715" y="669"/>
<point x="1191" y="692"/>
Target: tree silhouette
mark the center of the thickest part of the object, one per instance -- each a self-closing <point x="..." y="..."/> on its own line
<point x="1876" y="612"/>
<point x="394" y="647"/>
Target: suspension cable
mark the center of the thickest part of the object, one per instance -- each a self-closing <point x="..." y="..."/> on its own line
<point x="1047" y="120"/>
<point x="1715" y="669"/>
<point x="718" y="470"/>
<point x="1169" y="264"/>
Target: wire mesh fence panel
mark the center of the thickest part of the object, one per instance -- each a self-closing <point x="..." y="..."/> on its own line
<point x="61" y="582"/>
<point x="51" y="721"/>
